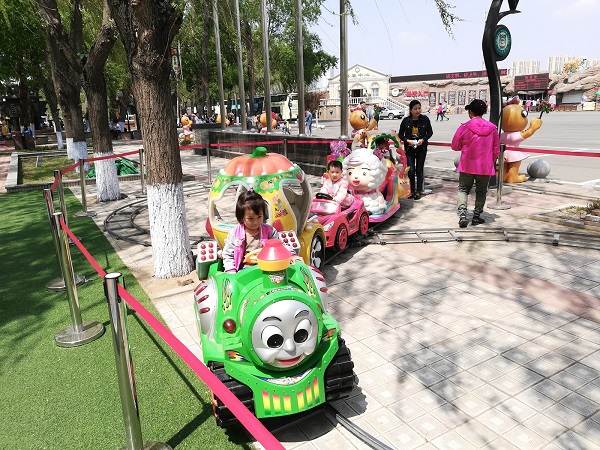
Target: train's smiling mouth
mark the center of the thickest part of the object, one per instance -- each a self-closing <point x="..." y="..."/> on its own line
<point x="289" y="362"/>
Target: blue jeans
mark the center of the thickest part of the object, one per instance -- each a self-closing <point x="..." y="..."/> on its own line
<point x="416" y="161"/>
<point x="465" y="183"/>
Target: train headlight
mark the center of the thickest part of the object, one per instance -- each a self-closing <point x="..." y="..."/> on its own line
<point x="229" y="326"/>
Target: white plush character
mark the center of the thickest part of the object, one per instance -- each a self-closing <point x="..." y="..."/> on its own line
<point x="365" y="173"/>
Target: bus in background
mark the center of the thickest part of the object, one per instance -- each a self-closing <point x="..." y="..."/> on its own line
<point x="285" y="105"/>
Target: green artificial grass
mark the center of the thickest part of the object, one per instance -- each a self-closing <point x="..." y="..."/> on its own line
<point x="68" y="398"/>
<point x="29" y="173"/>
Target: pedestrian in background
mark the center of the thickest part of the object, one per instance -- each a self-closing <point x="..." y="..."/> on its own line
<point x="479" y="146"/>
<point x="415" y="132"/>
<point x="308" y="118"/>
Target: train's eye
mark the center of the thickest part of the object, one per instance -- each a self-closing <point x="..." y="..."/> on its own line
<point x="272" y="337"/>
<point x="524" y="113"/>
<point x="303" y="330"/>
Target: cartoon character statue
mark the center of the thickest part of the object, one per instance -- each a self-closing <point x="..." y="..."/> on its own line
<point x="514" y="122"/>
<point x="187" y="137"/>
<point x="365" y="172"/>
<point x="360" y="124"/>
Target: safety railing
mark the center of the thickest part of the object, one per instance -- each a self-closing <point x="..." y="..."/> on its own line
<point x="81" y="333"/>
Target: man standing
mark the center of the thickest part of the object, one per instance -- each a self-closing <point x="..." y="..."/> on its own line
<point x="308" y="119"/>
<point x="479" y="144"/>
<point x="367" y="111"/>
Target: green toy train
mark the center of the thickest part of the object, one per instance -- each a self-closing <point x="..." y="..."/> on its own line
<point x="267" y="334"/>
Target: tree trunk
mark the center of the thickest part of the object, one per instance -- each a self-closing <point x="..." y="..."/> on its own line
<point x="68" y="90"/>
<point x="147" y="30"/>
<point x="94" y="82"/>
<point x="90" y="72"/>
<point x="24" y="101"/>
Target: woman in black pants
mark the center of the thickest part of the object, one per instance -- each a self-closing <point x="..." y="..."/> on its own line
<point x="415" y="132"/>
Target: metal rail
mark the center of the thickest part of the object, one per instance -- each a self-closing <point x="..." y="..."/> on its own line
<point x="425" y="235"/>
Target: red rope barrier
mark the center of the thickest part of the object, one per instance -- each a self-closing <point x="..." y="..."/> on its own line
<point x="249" y="420"/>
<point x="68" y="169"/>
<point x="185" y="147"/>
<point x="555" y="152"/>
<point x="537" y="150"/>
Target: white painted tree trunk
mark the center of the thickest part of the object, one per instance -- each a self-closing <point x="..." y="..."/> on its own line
<point x="171" y="250"/>
<point x="59" y="139"/>
<point x="107" y="180"/>
<point x="77" y="150"/>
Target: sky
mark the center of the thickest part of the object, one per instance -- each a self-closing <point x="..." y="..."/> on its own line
<point x="399" y="37"/>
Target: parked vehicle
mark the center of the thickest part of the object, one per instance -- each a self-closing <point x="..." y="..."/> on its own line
<point x="390" y="113"/>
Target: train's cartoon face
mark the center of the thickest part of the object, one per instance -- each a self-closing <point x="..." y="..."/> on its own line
<point x="285" y="333"/>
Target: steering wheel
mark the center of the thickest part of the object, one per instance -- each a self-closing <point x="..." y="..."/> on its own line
<point x="323" y="196"/>
<point x="250" y="257"/>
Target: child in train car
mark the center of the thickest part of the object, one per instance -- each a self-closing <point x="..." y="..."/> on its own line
<point x="381" y="146"/>
<point x="250" y="234"/>
<point x="336" y="186"/>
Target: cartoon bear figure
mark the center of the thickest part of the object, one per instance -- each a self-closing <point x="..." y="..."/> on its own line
<point x="360" y="124"/>
<point x="365" y="172"/>
<point x="187" y="137"/>
<point x="514" y="122"/>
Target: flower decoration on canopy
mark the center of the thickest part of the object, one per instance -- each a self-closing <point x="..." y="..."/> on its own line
<point x="380" y="152"/>
<point x="339" y="149"/>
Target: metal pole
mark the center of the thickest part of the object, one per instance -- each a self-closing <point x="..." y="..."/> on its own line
<point x="85" y="212"/>
<point x="57" y="284"/>
<point x="265" y="42"/>
<point x="240" y="64"/>
<point x="499" y="204"/>
<point x="208" y="163"/>
<point x="344" y="113"/>
<point x="142" y="170"/>
<point x="127" y="392"/>
<point x="300" y="68"/>
<point x="61" y="195"/>
<point x="79" y="333"/>
<point x="285" y="149"/>
<point x="219" y="65"/>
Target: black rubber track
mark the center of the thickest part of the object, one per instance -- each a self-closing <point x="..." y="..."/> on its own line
<point x="339" y="382"/>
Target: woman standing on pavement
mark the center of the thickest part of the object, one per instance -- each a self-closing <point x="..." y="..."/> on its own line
<point x="415" y="131"/>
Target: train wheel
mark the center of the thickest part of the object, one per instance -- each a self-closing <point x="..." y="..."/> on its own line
<point x="341" y="238"/>
<point x="223" y="415"/>
<point x="317" y="251"/>
<point x="339" y="377"/>
<point x="363" y="224"/>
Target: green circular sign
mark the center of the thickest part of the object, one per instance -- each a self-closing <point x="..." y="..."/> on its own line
<point x="502" y="42"/>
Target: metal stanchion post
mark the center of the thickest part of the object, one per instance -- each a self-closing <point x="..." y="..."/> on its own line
<point x="61" y="200"/>
<point x="127" y="391"/>
<point x="79" y="333"/>
<point x="142" y="170"/>
<point x="85" y="212"/>
<point x="499" y="204"/>
<point x="57" y="284"/>
<point x="208" y="166"/>
<point x="285" y="149"/>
